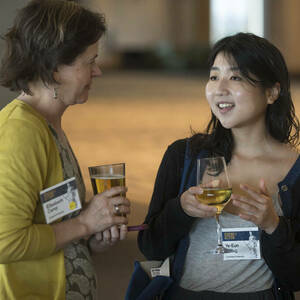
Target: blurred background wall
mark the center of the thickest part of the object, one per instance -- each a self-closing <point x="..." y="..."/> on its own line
<point x="177" y="34"/>
<point x="153" y="59"/>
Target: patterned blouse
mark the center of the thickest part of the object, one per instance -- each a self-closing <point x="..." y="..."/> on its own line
<point x="81" y="280"/>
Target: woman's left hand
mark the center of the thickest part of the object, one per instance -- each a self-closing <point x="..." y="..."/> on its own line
<point x="103" y="240"/>
<point x="258" y="207"/>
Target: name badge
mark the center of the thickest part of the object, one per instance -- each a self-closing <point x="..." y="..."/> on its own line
<point x="163" y="270"/>
<point x="242" y="243"/>
<point x="60" y="200"/>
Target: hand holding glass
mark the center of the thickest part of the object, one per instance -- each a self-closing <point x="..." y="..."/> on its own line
<point x="105" y="177"/>
<point x="213" y="178"/>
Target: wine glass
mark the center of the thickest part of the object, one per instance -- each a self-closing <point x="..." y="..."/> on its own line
<point x="212" y="176"/>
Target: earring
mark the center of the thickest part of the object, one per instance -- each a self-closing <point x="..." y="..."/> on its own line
<point x="55" y="93"/>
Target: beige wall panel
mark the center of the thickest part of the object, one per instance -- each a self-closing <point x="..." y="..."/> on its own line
<point x="134" y="24"/>
<point x="284" y="30"/>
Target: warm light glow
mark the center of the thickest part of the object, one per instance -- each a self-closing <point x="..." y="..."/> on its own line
<point x="232" y="16"/>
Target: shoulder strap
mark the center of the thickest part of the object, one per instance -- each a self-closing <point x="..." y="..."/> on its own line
<point x="187" y="162"/>
<point x="182" y="248"/>
<point x="189" y="167"/>
<point x="188" y="171"/>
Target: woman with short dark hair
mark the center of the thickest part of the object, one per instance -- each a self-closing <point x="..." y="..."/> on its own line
<point x="253" y="125"/>
<point x="51" y="59"/>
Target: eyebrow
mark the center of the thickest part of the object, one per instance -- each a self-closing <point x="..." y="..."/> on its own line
<point x="231" y="68"/>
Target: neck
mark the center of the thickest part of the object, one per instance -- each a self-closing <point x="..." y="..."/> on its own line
<point x="252" y="142"/>
<point x="42" y="101"/>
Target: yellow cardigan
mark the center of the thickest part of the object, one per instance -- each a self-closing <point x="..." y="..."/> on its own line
<point x="29" y="163"/>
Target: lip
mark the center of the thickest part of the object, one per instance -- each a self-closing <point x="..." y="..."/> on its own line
<point x="225" y="106"/>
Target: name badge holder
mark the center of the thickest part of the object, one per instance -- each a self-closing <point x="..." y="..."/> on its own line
<point x="60" y="200"/>
<point x="244" y="243"/>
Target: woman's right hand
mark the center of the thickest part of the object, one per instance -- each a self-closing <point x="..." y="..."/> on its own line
<point x="192" y="207"/>
<point x="100" y="213"/>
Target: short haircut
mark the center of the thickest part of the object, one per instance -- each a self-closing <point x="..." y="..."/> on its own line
<point x="45" y="35"/>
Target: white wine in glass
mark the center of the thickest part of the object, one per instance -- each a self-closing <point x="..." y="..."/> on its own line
<point x="212" y="176"/>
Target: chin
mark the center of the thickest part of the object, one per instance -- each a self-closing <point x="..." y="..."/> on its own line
<point x="226" y="125"/>
<point x="82" y="100"/>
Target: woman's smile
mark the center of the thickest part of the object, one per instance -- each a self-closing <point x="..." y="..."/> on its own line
<point x="225" y="107"/>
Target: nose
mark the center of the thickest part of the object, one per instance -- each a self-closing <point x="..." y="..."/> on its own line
<point x="222" y="87"/>
<point x="96" y="71"/>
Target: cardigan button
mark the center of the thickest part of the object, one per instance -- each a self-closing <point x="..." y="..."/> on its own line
<point x="284" y="188"/>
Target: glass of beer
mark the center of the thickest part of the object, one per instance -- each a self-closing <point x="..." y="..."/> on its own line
<point x="212" y="176"/>
<point x="105" y="177"/>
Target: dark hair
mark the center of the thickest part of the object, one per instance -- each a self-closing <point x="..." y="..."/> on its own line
<point x="254" y="56"/>
<point x="46" y="34"/>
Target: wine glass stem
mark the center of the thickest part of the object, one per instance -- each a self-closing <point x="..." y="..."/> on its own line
<point x="219" y="231"/>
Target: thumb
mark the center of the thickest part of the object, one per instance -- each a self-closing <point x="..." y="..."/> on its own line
<point x="263" y="187"/>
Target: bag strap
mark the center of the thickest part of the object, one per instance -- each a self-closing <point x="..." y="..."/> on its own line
<point x="179" y="258"/>
<point x="186" y="165"/>
<point x="182" y="248"/>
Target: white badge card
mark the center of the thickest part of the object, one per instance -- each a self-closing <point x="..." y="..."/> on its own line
<point x="163" y="270"/>
<point x="241" y="243"/>
<point x="60" y="200"/>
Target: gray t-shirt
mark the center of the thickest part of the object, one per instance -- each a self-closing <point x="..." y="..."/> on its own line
<point x="209" y="272"/>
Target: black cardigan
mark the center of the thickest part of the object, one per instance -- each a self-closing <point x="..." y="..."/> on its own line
<point x="168" y="223"/>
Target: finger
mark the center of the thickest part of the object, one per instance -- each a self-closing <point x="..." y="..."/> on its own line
<point x="194" y="190"/>
<point x="123" y="232"/>
<point x="263" y="187"/>
<point x="121" y="210"/>
<point x="114" y="234"/>
<point x="246" y="208"/>
<point x="253" y="193"/>
<point x="119" y="220"/>
<point x="108" y="222"/>
<point x="114" y="191"/>
<point x="106" y="235"/>
<point x="206" y="208"/>
<point x="99" y="236"/>
<point x="202" y="210"/>
<point x="245" y="202"/>
<point x="119" y="200"/>
<point x="250" y="218"/>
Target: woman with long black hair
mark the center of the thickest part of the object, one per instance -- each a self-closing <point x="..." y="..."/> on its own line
<point x="254" y="126"/>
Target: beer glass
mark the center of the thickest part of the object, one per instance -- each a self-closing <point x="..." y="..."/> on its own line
<point x="213" y="178"/>
<point x="105" y="177"/>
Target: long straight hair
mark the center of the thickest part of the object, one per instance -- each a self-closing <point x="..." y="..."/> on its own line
<point x="255" y="57"/>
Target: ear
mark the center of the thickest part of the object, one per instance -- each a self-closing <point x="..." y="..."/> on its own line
<point x="56" y="75"/>
<point x="272" y="93"/>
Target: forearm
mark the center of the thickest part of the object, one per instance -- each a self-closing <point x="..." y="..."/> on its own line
<point x="69" y="231"/>
<point x="97" y="216"/>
